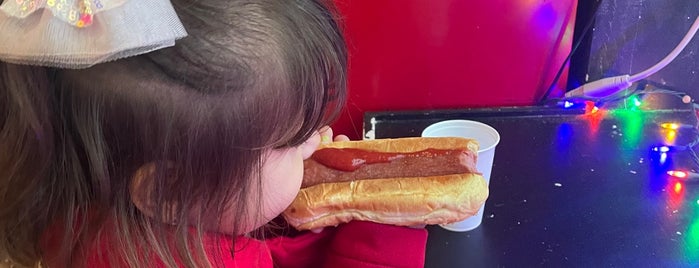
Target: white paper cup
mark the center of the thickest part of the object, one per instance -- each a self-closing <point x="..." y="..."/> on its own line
<point x="488" y="138"/>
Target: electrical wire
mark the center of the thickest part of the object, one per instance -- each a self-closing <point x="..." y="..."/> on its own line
<point x="613" y="85"/>
<point x="691" y="146"/>
<point x="585" y="31"/>
<point x="670" y="57"/>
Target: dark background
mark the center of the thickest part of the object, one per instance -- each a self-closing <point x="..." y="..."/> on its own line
<point x="629" y="36"/>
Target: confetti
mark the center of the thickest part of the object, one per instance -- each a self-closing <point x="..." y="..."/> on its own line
<point x="558" y="184"/>
<point x="632" y="171"/>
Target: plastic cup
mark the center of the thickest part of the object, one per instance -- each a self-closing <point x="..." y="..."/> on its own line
<point x="488" y="138"/>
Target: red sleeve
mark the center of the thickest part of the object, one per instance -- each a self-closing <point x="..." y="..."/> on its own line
<point x="354" y="244"/>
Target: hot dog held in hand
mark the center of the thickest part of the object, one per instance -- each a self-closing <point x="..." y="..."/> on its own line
<point x="403" y="181"/>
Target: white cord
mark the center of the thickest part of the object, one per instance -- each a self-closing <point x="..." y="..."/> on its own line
<point x="670" y="57"/>
<point x="612" y="85"/>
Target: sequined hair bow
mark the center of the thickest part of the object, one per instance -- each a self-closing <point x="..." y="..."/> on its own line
<point x="81" y="33"/>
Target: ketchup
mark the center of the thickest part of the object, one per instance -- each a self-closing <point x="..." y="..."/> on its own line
<point x="350" y="159"/>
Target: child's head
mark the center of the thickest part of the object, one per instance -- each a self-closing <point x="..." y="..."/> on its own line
<point x="210" y="133"/>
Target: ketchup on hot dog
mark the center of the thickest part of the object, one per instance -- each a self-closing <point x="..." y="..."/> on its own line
<point x="350" y="159"/>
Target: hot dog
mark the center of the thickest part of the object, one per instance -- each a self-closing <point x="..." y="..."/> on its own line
<point x="404" y="181"/>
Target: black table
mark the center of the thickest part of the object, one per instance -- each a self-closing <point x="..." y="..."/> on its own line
<point x="571" y="190"/>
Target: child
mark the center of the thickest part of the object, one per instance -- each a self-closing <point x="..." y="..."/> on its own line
<point x="177" y="157"/>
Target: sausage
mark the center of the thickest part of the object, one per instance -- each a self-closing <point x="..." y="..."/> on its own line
<point x="348" y="164"/>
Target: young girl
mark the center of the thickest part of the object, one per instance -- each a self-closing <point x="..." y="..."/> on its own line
<point x="178" y="157"/>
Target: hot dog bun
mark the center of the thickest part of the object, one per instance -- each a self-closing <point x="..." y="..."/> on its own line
<point x="407" y="201"/>
<point x="406" y="145"/>
<point x="397" y="201"/>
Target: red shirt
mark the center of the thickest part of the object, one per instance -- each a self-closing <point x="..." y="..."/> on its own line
<point x="356" y="244"/>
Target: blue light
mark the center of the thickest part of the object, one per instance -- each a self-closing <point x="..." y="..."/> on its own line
<point x="662" y="149"/>
<point x="568" y="104"/>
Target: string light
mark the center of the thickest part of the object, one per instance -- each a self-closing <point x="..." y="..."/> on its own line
<point x="635" y="101"/>
<point x="669" y="149"/>
<point x="677" y="174"/>
<point x="673" y="126"/>
<point x="669" y="131"/>
<point x="683" y="175"/>
<point x="590" y="107"/>
<point x="661" y="149"/>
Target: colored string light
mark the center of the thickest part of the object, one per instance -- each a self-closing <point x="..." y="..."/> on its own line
<point x="661" y="149"/>
<point x="677" y="174"/>
<point x="636" y="101"/>
<point x="590" y="107"/>
<point x="683" y="175"/>
<point x="673" y="126"/>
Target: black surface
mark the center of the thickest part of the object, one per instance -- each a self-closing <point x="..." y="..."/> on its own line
<point x="571" y="191"/>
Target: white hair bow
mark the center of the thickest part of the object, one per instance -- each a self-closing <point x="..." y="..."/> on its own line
<point x="82" y="33"/>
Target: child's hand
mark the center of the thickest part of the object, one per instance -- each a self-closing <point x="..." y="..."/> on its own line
<point x="326" y="135"/>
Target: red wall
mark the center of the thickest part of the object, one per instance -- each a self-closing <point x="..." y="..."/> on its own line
<point x="432" y="54"/>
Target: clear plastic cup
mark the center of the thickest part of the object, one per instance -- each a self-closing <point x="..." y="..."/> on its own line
<point x="488" y="138"/>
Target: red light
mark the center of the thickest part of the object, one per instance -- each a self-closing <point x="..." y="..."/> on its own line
<point x="590" y="107"/>
<point x="678" y="187"/>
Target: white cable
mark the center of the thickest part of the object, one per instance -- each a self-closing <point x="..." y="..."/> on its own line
<point x="670" y="57"/>
<point x="612" y="85"/>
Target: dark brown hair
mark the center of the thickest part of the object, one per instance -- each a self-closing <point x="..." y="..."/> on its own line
<point x="251" y="76"/>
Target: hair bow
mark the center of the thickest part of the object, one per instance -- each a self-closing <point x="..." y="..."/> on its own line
<point x="82" y="33"/>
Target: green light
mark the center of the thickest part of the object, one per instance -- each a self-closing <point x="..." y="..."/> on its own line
<point x="636" y="102"/>
<point x="631" y="125"/>
<point x="691" y="242"/>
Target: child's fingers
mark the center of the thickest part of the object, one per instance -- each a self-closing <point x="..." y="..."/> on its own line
<point x="326" y="134"/>
<point x="341" y="138"/>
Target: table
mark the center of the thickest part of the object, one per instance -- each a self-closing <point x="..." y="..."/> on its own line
<point x="571" y="190"/>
